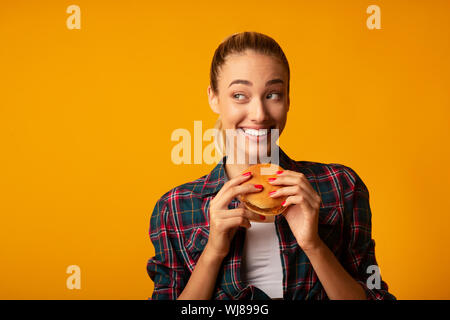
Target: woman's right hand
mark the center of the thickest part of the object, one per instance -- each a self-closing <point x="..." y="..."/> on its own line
<point x="224" y="222"/>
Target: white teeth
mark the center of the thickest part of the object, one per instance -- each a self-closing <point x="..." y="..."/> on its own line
<point x="257" y="133"/>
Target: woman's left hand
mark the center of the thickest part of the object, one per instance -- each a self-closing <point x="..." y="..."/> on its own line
<point x="303" y="204"/>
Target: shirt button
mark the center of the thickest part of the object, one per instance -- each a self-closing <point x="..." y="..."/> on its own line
<point x="203" y="242"/>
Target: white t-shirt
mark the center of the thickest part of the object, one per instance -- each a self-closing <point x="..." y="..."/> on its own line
<point x="261" y="264"/>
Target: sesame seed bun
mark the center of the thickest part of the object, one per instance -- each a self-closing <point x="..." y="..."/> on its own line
<point x="261" y="202"/>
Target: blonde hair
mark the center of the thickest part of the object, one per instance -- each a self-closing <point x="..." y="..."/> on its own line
<point x="239" y="43"/>
<point x="219" y="138"/>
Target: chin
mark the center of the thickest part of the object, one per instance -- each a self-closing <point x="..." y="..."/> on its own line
<point x="252" y="157"/>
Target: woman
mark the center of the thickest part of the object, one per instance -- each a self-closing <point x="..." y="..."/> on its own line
<point x="208" y="246"/>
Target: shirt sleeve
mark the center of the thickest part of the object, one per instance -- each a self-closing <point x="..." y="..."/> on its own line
<point x="164" y="268"/>
<point x="359" y="255"/>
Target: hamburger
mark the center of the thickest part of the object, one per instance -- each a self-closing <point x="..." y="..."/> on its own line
<point x="261" y="202"/>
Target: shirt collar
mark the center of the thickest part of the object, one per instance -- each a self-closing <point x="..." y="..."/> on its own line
<point x="217" y="177"/>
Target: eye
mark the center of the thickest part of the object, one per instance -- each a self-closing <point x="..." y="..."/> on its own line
<point x="238" y="94"/>
<point x="276" y="93"/>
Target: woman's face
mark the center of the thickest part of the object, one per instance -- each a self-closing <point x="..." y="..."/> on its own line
<point x="252" y="99"/>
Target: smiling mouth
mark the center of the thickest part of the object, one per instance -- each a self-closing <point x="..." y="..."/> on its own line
<point x="257" y="133"/>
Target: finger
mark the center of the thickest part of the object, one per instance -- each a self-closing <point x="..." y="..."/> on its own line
<point x="287" y="173"/>
<point x="253" y="215"/>
<point x="231" y="213"/>
<point x="239" y="212"/>
<point x="300" y="200"/>
<point x="305" y="182"/>
<point x="232" y="182"/>
<point x="285" y="180"/>
<point x="234" y="222"/>
<point x="297" y="179"/>
<point x="292" y="191"/>
<point x="232" y="192"/>
<point x="238" y="180"/>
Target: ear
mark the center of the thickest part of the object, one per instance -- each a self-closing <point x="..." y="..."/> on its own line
<point x="213" y="100"/>
<point x="288" y="103"/>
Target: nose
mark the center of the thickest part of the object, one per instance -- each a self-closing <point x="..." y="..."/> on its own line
<point x="257" y="112"/>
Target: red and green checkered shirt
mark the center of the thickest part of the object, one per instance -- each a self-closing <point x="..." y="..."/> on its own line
<point x="179" y="229"/>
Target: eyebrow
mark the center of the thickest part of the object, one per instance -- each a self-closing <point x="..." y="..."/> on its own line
<point x="248" y="83"/>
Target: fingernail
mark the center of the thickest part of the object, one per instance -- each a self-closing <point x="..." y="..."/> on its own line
<point x="279" y="172"/>
<point x="247" y="174"/>
<point x="259" y="186"/>
<point x="262" y="217"/>
<point x="272" y="192"/>
<point x="283" y="203"/>
<point x="271" y="179"/>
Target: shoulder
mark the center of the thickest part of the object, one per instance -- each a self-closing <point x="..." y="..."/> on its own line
<point x="321" y="170"/>
<point x="188" y="190"/>
<point x="336" y="177"/>
<point x="179" y="204"/>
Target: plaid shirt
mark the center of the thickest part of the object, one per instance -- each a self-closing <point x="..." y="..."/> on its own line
<point x="179" y="229"/>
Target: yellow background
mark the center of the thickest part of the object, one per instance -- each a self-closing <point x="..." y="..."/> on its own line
<point x="86" y="118"/>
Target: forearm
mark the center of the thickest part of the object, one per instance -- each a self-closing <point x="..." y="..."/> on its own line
<point x="201" y="284"/>
<point x="337" y="282"/>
